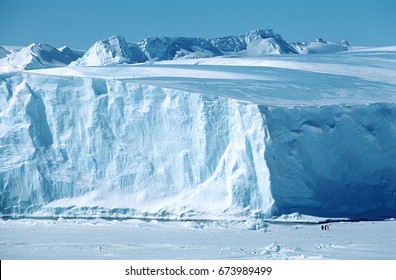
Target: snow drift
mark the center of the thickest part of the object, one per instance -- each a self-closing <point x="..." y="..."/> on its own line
<point x="206" y="140"/>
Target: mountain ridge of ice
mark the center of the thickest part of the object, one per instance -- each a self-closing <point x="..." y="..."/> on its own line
<point x="254" y="43"/>
<point x="71" y="54"/>
<point x="116" y="50"/>
<point x="36" y="56"/>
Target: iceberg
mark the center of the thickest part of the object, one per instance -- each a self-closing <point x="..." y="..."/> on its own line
<point x="206" y="138"/>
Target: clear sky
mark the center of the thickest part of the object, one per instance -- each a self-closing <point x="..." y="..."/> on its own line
<point x="80" y="23"/>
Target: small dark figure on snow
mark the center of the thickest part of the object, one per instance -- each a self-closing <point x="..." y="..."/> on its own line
<point x="325" y="227"/>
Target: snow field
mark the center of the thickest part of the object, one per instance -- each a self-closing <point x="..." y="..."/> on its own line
<point x="136" y="239"/>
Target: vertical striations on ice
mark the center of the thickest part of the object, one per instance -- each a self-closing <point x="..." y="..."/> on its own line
<point x="84" y="145"/>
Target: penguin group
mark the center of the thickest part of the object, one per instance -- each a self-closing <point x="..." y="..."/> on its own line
<point x="325" y="227"/>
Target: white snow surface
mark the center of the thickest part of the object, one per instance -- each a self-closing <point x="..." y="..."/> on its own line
<point x="209" y="138"/>
<point x="97" y="239"/>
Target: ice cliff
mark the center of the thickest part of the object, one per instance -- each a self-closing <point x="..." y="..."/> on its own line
<point x="97" y="143"/>
<point x="200" y="140"/>
<point x="334" y="160"/>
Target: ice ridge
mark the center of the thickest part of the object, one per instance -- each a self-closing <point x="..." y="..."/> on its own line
<point x="116" y="50"/>
<point x="37" y="56"/>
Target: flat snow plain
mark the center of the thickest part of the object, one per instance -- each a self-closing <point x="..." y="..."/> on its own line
<point x="137" y="239"/>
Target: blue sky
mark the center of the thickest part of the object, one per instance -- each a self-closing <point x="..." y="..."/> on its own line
<point x="79" y="23"/>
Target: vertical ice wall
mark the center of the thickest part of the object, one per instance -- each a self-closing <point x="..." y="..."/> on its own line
<point x="336" y="161"/>
<point x="78" y="143"/>
<point x="71" y="146"/>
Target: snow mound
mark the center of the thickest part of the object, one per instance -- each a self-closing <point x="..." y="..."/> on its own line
<point x="320" y="46"/>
